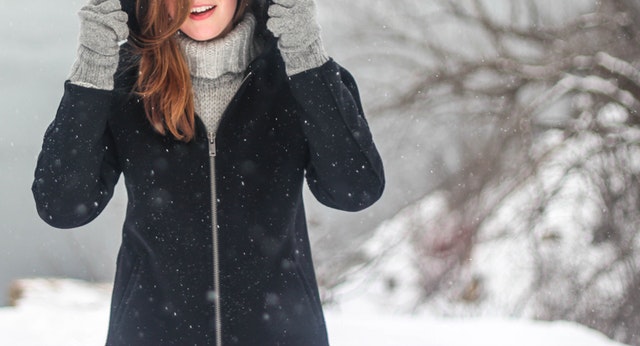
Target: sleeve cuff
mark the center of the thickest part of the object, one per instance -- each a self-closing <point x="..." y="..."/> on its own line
<point x="93" y="70"/>
<point x="312" y="56"/>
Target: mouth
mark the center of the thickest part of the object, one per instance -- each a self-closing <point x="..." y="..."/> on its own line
<point x="202" y="12"/>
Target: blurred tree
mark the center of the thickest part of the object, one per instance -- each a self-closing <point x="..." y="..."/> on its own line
<point x="540" y="100"/>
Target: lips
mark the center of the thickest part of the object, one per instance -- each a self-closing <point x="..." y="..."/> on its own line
<point x="202" y="12"/>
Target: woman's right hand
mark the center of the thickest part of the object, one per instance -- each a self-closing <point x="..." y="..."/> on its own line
<point x="103" y="27"/>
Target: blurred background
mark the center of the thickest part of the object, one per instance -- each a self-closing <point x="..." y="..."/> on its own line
<point x="510" y="135"/>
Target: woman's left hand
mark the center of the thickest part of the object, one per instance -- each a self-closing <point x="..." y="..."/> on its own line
<point x="294" y="23"/>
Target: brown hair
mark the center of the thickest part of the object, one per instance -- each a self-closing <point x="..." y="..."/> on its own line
<point x="164" y="81"/>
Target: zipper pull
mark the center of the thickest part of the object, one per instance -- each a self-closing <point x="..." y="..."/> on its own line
<point x="212" y="144"/>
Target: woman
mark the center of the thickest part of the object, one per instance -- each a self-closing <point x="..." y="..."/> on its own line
<point x="214" y="111"/>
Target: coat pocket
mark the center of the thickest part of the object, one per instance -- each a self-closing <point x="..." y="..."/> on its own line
<point x="311" y="296"/>
<point x="127" y="293"/>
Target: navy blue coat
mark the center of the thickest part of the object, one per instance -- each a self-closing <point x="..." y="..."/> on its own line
<point x="276" y="131"/>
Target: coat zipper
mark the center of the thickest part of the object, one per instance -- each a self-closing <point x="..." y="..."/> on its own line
<point x="214" y="234"/>
<point x="211" y="136"/>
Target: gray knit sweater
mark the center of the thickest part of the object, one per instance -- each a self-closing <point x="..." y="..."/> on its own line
<point x="217" y="68"/>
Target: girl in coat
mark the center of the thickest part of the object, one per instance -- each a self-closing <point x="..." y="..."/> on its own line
<point x="214" y="112"/>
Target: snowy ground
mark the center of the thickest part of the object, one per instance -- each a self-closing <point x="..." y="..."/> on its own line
<point x="73" y="313"/>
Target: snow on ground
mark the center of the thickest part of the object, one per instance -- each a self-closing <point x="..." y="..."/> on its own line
<point x="74" y="313"/>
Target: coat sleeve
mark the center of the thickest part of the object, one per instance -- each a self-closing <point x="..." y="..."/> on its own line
<point x="77" y="168"/>
<point x="344" y="169"/>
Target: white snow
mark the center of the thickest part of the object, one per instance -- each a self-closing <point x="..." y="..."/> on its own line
<point x="58" y="312"/>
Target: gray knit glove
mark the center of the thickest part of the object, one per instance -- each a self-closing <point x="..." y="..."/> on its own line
<point x="294" y="23"/>
<point x="103" y="27"/>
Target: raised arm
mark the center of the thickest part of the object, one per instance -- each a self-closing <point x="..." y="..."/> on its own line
<point x="77" y="167"/>
<point x="344" y="169"/>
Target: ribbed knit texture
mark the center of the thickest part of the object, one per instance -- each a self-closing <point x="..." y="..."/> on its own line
<point x="93" y="70"/>
<point x="217" y="68"/>
<point x="309" y="57"/>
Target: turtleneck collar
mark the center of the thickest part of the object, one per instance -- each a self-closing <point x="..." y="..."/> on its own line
<point x="229" y="54"/>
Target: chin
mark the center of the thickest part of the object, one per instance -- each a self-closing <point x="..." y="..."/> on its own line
<point x="203" y="36"/>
